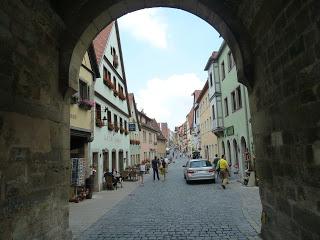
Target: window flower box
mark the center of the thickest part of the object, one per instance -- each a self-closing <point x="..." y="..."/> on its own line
<point x="99" y="123"/>
<point x="116" y="128"/>
<point x="108" y="82"/>
<point x="126" y="132"/>
<point x="122" y="96"/>
<point x="121" y="130"/>
<point x="138" y="142"/>
<point x="132" y="141"/>
<point x="86" y="104"/>
<point x="110" y="126"/>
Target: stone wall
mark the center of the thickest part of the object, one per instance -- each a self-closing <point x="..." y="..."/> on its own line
<point x="34" y="124"/>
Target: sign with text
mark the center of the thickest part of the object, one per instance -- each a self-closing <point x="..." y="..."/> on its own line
<point x="132" y="127"/>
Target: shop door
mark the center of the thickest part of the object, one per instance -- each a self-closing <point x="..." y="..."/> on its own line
<point x="105" y="161"/>
<point x="114" y="161"/>
<point x="121" y="161"/>
<point x="95" y="166"/>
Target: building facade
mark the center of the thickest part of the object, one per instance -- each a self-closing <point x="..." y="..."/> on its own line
<point x="134" y="129"/>
<point x="230" y="110"/>
<point x="209" y="145"/>
<point x="82" y="122"/>
<point x="111" y="147"/>
<point x="148" y="137"/>
<point x="196" y="121"/>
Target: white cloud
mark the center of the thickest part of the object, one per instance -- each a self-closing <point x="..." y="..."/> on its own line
<point x="169" y="100"/>
<point x="146" y="25"/>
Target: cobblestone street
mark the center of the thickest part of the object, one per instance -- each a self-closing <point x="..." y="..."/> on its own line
<point x="172" y="209"/>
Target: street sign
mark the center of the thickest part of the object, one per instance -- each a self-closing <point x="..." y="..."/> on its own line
<point x="132" y="127"/>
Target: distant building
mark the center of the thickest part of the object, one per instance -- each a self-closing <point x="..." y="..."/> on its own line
<point x="134" y="129"/>
<point x="208" y="140"/>
<point x="230" y="110"/>
<point x="196" y="122"/>
<point x="148" y="137"/>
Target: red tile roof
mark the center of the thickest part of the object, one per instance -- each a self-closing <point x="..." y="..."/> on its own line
<point x="196" y="94"/>
<point x="203" y="91"/>
<point x="100" y="42"/>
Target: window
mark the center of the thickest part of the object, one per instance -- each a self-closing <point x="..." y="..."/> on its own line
<point x="120" y="122"/>
<point x="84" y="90"/>
<point x="150" y="138"/>
<point x="98" y="111"/>
<point x="115" y="82"/>
<point x="115" y="118"/>
<point x="223" y="74"/>
<point x="213" y="113"/>
<point x="230" y="61"/>
<point x="239" y="99"/>
<point x="144" y="136"/>
<point x="233" y="101"/>
<point x="211" y="79"/>
<point x="105" y="73"/>
<point x="226" y="109"/>
<point x="109" y="116"/>
<point x="125" y="125"/>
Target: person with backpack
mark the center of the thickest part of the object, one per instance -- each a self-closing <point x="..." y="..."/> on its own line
<point x="222" y="169"/>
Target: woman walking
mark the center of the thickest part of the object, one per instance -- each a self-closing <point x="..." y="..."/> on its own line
<point x="142" y="169"/>
<point x="163" y="168"/>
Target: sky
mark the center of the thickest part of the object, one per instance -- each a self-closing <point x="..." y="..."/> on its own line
<point x="165" y="51"/>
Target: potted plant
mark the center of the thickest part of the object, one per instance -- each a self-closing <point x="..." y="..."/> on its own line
<point x="86" y="104"/>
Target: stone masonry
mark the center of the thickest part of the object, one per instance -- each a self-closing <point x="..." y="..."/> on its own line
<point x="276" y="44"/>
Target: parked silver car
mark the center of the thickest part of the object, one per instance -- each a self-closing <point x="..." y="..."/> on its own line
<point x="199" y="169"/>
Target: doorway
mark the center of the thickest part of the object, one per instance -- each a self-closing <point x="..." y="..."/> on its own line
<point x="95" y="158"/>
<point x="121" y="161"/>
<point x="114" y="160"/>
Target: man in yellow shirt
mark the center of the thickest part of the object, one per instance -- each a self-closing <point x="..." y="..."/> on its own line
<point x="224" y="171"/>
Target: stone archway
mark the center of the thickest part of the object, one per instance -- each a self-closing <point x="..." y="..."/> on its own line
<point x="275" y="44"/>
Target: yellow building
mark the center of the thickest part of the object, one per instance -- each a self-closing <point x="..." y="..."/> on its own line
<point x="81" y="122"/>
<point x="208" y="141"/>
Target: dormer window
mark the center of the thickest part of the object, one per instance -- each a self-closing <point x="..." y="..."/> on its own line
<point x="115" y="57"/>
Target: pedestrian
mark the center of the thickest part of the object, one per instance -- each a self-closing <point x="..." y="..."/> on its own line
<point x="215" y="163"/>
<point x="155" y="165"/>
<point x="223" y="168"/>
<point x="142" y="169"/>
<point x="163" y="168"/>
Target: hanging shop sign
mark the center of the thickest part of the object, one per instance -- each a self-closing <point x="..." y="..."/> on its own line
<point x="132" y="127"/>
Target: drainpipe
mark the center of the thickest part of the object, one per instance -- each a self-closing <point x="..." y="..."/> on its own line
<point x="246" y="114"/>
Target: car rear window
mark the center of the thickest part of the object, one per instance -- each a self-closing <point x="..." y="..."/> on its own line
<point x="199" y="164"/>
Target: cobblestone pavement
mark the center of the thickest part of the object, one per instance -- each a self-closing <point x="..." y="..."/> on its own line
<point x="172" y="209"/>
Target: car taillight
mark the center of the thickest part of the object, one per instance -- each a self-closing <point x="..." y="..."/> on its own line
<point x="190" y="171"/>
<point x="211" y="170"/>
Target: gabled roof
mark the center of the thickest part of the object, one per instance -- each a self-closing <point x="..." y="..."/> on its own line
<point x="212" y="58"/>
<point x="203" y="91"/>
<point x="133" y="103"/>
<point x="196" y="94"/>
<point x="100" y="41"/>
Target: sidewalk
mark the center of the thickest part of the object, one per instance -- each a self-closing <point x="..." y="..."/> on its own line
<point x="85" y="213"/>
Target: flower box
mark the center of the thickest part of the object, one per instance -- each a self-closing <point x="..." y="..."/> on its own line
<point x="137" y="142"/>
<point x="122" y="96"/>
<point x="116" y="128"/>
<point x="121" y="130"/>
<point x="99" y="123"/>
<point x="108" y="82"/>
<point x="132" y="141"/>
<point x="126" y="132"/>
<point x="86" y="104"/>
<point x="110" y="126"/>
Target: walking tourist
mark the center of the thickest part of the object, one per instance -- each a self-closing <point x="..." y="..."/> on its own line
<point x="215" y="163"/>
<point x="163" y="168"/>
<point x="142" y="169"/>
<point x="155" y="164"/>
<point x="223" y="168"/>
